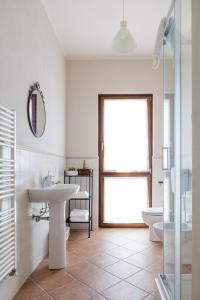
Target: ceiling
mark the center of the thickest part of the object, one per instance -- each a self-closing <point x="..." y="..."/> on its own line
<point x="85" y="28"/>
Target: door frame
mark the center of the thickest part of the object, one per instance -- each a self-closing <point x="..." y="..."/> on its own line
<point x="101" y="98"/>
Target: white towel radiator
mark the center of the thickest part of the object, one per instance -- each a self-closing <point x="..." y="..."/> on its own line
<point x="7" y="193"/>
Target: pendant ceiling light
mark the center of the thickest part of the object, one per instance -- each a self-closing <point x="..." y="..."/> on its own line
<point x="123" y="42"/>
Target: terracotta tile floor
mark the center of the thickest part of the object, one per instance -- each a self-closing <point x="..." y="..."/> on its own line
<point x="113" y="264"/>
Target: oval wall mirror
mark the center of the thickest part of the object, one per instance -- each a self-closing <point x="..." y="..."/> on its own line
<point x="36" y="110"/>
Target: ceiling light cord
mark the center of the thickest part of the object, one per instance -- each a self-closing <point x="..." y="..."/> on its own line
<point x="123" y="10"/>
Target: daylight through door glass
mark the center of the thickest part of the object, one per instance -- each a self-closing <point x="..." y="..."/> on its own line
<point x="126" y="135"/>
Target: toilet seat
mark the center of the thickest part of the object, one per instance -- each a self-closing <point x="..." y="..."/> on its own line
<point x="154" y="211"/>
<point x="152" y="215"/>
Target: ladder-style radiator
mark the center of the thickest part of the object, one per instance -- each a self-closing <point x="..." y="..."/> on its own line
<point x="7" y="192"/>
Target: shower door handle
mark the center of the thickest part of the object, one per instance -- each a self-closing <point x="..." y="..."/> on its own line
<point x="165" y="158"/>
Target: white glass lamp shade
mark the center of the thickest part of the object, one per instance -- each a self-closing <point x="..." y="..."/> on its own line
<point x="123" y="42"/>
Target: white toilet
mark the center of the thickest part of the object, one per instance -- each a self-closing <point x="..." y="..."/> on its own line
<point x="150" y="216"/>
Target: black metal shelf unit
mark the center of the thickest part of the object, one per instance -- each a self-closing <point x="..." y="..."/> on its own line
<point x="86" y="185"/>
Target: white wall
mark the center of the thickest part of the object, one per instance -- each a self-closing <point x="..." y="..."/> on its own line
<point x="87" y="79"/>
<point x="29" y="52"/>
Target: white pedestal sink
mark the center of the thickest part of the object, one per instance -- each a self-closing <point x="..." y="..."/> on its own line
<point x="56" y="196"/>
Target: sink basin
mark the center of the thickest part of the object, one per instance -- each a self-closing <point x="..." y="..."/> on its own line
<point x="56" y="195"/>
<point x="53" y="193"/>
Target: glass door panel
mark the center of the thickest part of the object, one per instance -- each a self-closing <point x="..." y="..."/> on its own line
<point x="125" y="135"/>
<point x="124" y="199"/>
<point x="177" y="275"/>
<point x="125" y="151"/>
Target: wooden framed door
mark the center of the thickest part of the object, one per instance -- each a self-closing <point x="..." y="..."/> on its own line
<point x="125" y="159"/>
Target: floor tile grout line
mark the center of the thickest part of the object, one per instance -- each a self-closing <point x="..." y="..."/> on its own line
<point x="150" y="293"/>
<point x="103" y="268"/>
<point x="110" y="239"/>
<point x="123" y="244"/>
<point x="103" y="252"/>
<point x="120" y="259"/>
<point x="140" y="266"/>
<point x="99" y="269"/>
<point x="109" y="272"/>
<point x="75" y="279"/>
<point x="119" y="245"/>
<point x="111" y="242"/>
<point x="102" y="290"/>
<point x="120" y="280"/>
<point x="46" y="293"/>
<point x="100" y="293"/>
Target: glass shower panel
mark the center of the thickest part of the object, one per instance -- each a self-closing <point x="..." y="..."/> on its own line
<point x="186" y="152"/>
<point x="168" y="163"/>
<point x="177" y="154"/>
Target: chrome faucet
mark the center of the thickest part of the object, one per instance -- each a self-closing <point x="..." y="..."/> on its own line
<point x="47" y="180"/>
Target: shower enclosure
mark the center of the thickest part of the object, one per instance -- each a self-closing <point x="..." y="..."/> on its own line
<point x="176" y="280"/>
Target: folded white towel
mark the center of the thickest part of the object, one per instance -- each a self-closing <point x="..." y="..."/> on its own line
<point x="80" y="195"/>
<point x="75" y="219"/>
<point x="79" y="213"/>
